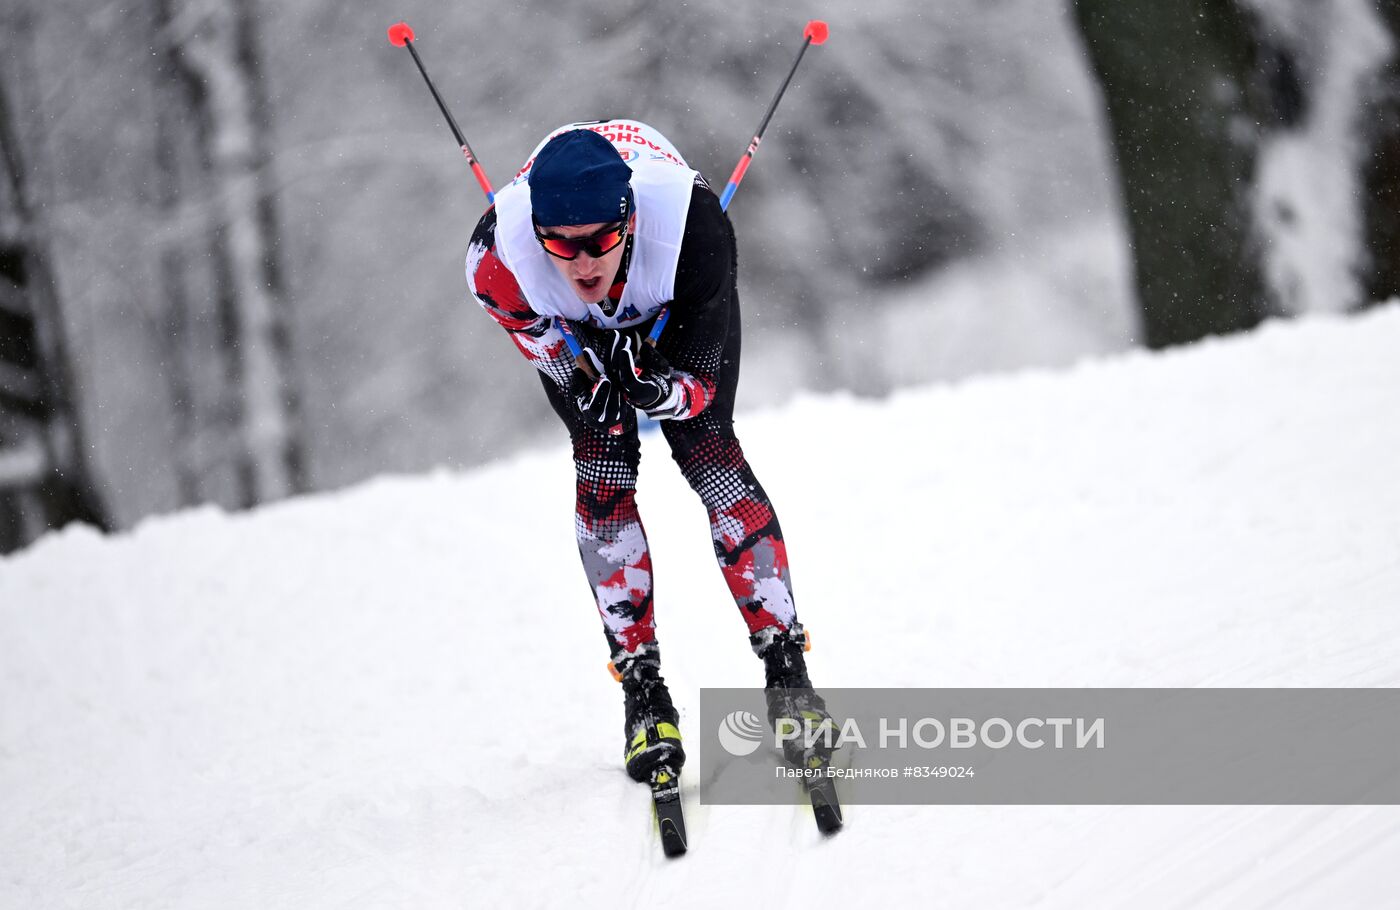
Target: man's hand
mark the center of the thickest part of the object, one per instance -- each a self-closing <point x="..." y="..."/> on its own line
<point x="598" y="400"/>
<point x="642" y="374"/>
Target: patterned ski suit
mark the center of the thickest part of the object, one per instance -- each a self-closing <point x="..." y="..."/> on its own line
<point x="701" y="342"/>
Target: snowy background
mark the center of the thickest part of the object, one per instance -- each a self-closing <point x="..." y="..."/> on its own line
<point x="929" y="165"/>
<point x="936" y="198"/>
<point x="344" y="701"/>
<point x="335" y="700"/>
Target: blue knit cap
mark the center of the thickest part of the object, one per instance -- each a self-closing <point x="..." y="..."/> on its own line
<point x="579" y="178"/>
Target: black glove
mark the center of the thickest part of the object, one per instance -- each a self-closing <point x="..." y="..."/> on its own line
<point x="640" y="372"/>
<point x="598" y="400"/>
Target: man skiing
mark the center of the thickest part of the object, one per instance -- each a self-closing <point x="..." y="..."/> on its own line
<point x="604" y="227"/>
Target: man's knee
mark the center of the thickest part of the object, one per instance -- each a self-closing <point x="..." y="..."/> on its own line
<point x="594" y="451"/>
<point x="695" y="443"/>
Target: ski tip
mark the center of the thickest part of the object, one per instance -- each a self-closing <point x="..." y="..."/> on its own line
<point x="827" y="810"/>
<point x="400" y="34"/>
<point x="816" y="31"/>
<point x="672" y="839"/>
<point x="828" y="819"/>
<point x="666" y="805"/>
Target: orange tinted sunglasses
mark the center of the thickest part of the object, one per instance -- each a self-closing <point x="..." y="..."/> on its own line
<point x="597" y="244"/>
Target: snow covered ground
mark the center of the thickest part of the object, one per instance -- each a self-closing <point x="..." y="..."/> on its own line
<point x="395" y="695"/>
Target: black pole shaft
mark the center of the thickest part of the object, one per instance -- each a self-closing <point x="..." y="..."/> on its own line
<point x="783" y="88"/>
<point x="477" y="171"/>
<point x="442" y="105"/>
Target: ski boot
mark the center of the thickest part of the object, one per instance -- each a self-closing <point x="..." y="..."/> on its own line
<point x="791" y="699"/>
<point x="651" y="722"/>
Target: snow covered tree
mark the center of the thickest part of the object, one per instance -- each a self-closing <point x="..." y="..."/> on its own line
<point x="177" y="172"/>
<point x="46" y="478"/>
<point x="1382" y="172"/>
<point x="215" y="45"/>
<point x="1180" y="79"/>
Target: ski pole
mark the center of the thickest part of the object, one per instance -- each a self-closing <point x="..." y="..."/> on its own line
<point x="400" y="35"/>
<point x="816" y="32"/>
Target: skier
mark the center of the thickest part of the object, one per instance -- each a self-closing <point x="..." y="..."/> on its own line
<point x="604" y="226"/>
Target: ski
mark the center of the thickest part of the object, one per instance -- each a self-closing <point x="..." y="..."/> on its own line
<point x="825" y="806"/>
<point x="666" y="805"/>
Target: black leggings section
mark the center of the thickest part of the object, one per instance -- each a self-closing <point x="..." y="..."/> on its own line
<point x="744" y="527"/>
